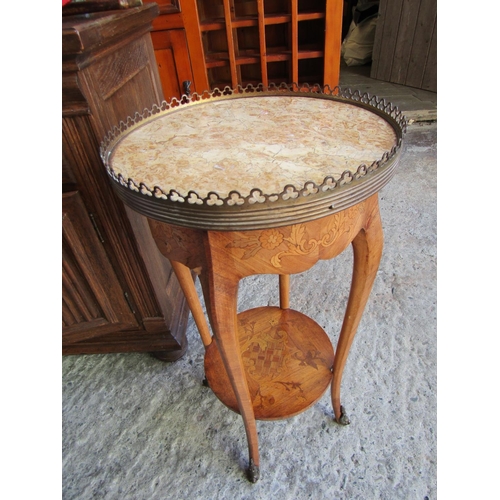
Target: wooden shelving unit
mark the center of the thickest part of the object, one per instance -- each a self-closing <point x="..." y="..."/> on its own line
<point x="269" y="41"/>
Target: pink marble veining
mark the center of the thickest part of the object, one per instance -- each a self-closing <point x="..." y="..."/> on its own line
<point x="259" y="142"/>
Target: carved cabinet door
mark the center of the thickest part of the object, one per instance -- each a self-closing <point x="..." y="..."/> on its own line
<point x="93" y="300"/>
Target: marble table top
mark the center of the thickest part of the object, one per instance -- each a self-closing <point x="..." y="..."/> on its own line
<point x="264" y="142"/>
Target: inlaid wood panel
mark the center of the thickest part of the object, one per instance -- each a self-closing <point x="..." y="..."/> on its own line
<point x="287" y="359"/>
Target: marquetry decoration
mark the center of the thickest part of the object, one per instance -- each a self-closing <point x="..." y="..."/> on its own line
<point x="298" y="240"/>
<point x="287" y="359"/>
<point x="253" y="181"/>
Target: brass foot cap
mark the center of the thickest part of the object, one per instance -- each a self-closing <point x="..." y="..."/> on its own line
<point x="253" y="472"/>
<point x="344" y="419"/>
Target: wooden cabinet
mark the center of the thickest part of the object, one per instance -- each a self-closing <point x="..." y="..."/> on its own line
<point x="119" y="293"/>
<point x="233" y="42"/>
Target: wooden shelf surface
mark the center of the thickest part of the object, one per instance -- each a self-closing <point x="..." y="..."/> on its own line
<point x="287" y="358"/>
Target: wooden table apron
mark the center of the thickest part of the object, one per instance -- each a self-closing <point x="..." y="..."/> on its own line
<point x="268" y="362"/>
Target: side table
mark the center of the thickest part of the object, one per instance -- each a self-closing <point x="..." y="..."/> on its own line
<point x="319" y="159"/>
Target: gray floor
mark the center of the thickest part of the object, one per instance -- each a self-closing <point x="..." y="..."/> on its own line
<point x="137" y="428"/>
<point x="417" y="104"/>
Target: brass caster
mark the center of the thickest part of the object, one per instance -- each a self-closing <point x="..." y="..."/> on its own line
<point x="344" y="419"/>
<point x="253" y="472"/>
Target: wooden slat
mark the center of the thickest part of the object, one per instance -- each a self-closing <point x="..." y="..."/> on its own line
<point x="189" y="13"/>
<point x="421" y="43"/>
<point x="230" y="43"/>
<point x="309" y="16"/>
<point x="310" y="54"/>
<point x="430" y="73"/>
<point x="262" y="43"/>
<point x="377" y="42"/>
<point x="77" y="294"/>
<point x="403" y="47"/>
<point x="388" y="39"/>
<point x="274" y="19"/>
<point x="333" y="42"/>
<point x="212" y="25"/>
<point x="295" y="42"/>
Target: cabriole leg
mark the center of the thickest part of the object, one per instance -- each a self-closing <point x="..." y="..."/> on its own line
<point x="367" y="246"/>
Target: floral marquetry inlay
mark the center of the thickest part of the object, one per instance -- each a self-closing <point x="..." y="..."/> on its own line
<point x="298" y="239"/>
<point x="287" y="359"/>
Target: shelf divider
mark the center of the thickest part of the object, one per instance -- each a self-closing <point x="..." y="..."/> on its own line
<point x="262" y="42"/>
<point x="295" y="42"/>
<point x="230" y="43"/>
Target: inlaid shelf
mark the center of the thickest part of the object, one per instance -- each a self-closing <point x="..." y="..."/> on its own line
<point x="287" y="359"/>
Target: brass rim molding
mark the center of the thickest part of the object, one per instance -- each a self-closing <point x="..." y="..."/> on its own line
<point x="259" y="209"/>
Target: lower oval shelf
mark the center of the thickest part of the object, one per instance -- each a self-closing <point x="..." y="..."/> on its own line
<point x="287" y="358"/>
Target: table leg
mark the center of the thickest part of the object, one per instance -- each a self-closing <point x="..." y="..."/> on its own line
<point x="367" y="246"/>
<point x="284" y="291"/>
<point x="186" y="282"/>
<point x="223" y="290"/>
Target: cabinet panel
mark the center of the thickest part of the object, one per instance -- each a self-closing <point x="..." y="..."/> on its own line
<point x="93" y="300"/>
<point x="172" y="57"/>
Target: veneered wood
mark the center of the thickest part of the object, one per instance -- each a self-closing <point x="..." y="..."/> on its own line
<point x="287" y="359"/>
<point x="223" y="258"/>
<point x="185" y="278"/>
<point x="367" y="246"/>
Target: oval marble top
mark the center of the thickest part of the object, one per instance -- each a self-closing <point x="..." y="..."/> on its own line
<point x="240" y="144"/>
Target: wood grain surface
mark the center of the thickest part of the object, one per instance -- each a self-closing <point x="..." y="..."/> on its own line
<point x="287" y="359"/>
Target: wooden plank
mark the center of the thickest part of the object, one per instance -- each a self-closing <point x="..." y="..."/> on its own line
<point x="230" y="43"/>
<point x="262" y="43"/>
<point x="388" y="27"/>
<point x="377" y="43"/>
<point x="406" y="32"/>
<point x="421" y="43"/>
<point x="430" y="73"/>
<point x="295" y="42"/>
<point x="196" y="53"/>
<point x="333" y="42"/>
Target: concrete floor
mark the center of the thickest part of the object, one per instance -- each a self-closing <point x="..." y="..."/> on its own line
<point x="137" y="428"/>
